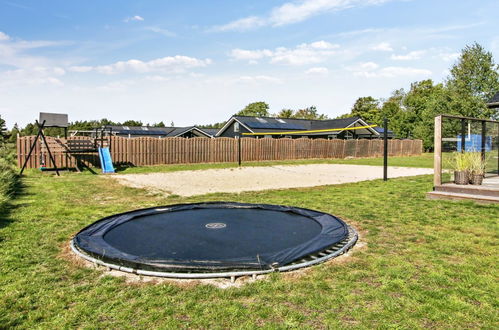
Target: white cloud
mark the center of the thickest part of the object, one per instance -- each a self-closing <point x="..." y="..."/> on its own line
<point x="294" y="12"/>
<point x="297" y="11"/>
<point x="302" y="54"/>
<point x="32" y="76"/>
<point x="3" y="36"/>
<point x="321" y="71"/>
<point x="243" y="54"/>
<point x="243" y="24"/>
<point x="414" y="55"/>
<point x="258" y="79"/>
<point x="176" y="63"/>
<point x="116" y="86"/>
<point x="80" y="68"/>
<point x="383" y="46"/>
<point x="164" y="32"/>
<point x="449" y="57"/>
<point x="135" y="18"/>
<point x="368" y="66"/>
<point x="368" y="70"/>
<point x="15" y="52"/>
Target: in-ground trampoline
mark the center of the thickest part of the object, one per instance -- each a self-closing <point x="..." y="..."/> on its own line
<point x="216" y="239"/>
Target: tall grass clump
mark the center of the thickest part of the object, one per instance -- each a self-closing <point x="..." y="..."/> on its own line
<point x="461" y="161"/>
<point x="478" y="164"/>
<point x="8" y="175"/>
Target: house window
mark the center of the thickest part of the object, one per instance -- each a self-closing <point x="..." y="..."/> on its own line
<point x="236" y="127"/>
<point x="348" y="135"/>
<point x="261" y="120"/>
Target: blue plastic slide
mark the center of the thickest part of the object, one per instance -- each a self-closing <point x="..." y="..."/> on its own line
<point x="106" y="162"/>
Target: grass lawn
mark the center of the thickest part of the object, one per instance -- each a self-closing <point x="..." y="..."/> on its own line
<point x="425" y="160"/>
<point x="426" y="263"/>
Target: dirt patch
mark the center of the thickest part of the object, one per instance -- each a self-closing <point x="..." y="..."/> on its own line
<point x="200" y="182"/>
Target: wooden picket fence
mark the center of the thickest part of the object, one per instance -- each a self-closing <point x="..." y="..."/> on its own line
<point x="154" y="151"/>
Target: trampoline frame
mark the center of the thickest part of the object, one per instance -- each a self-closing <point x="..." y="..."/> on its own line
<point x="309" y="260"/>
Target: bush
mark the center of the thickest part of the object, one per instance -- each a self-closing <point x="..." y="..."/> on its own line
<point x="8" y="175"/>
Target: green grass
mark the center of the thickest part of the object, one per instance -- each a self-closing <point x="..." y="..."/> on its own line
<point x="425" y="263"/>
<point x="425" y="160"/>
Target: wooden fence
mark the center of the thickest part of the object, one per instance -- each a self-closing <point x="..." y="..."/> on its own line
<point x="154" y="151"/>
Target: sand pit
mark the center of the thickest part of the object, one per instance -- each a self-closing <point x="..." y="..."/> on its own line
<point x="235" y="180"/>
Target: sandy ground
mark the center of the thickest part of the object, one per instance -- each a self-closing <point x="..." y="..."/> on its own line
<point x="235" y="180"/>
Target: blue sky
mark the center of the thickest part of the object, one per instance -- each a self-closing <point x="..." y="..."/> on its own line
<point x="198" y="62"/>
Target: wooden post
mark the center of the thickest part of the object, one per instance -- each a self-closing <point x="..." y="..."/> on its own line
<point x="239" y="150"/>
<point x="437" y="157"/>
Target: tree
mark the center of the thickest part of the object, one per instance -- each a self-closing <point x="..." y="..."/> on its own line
<point x="256" y="109"/>
<point x="366" y="108"/>
<point x="13" y="133"/>
<point x="474" y="79"/>
<point x="393" y="111"/>
<point x="132" y="123"/>
<point x="215" y="125"/>
<point x="3" y="129"/>
<point x="306" y="113"/>
<point x="160" y="124"/>
<point x="285" y="113"/>
<point x="309" y="113"/>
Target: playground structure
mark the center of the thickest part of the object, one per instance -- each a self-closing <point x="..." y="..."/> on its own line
<point x="74" y="148"/>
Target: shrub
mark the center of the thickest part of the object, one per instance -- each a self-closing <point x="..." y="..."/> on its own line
<point x="8" y="175"/>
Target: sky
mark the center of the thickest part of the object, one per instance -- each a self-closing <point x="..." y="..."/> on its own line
<point x="198" y="62"/>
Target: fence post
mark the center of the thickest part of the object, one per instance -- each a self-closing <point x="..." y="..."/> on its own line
<point x="239" y="149"/>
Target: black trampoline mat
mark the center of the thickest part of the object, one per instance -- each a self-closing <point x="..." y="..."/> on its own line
<point x="205" y="236"/>
<point x="211" y="234"/>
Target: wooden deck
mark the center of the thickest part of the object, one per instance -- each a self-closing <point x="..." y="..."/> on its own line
<point x="488" y="192"/>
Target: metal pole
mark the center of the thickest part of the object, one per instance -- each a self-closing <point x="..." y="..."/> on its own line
<point x="32" y="146"/>
<point x="484" y="136"/>
<point x="385" y="149"/>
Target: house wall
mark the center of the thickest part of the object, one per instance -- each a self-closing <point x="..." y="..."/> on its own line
<point x="229" y="132"/>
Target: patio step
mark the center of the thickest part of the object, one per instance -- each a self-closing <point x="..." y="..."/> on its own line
<point x="468" y="189"/>
<point x="462" y="196"/>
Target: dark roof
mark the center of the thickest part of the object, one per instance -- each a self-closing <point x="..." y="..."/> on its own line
<point x="211" y="131"/>
<point x="139" y="130"/>
<point x="381" y="130"/>
<point x="153" y="131"/>
<point x="272" y="124"/>
<point x="494" y="101"/>
<point x="294" y="124"/>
